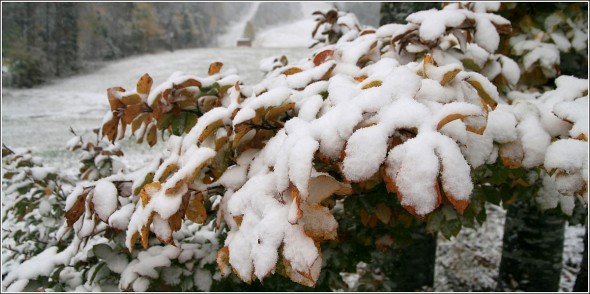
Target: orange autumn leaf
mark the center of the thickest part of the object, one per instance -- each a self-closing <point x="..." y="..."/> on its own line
<point x="323" y="57"/>
<point x="215" y="67"/>
<point x="152" y="135"/>
<point x="131" y="99"/>
<point x="196" y="211"/>
<point x="130" y="113"/>
<point x="144" y="84"/>
<point x="175" y="221"/>
<point x="292" y="71"/>
<point x="222" y="259"/>
<point x="110" y="129"/>
<point x="74" y="213"/>
<point x="447" y="119"/>
<point x="113" y="97"/>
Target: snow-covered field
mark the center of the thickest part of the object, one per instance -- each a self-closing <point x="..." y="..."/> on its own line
<point x="39" y="119"/>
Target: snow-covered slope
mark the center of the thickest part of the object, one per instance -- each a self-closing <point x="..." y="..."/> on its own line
<point x="39" y="119"/>
<point x="295" y="34"/>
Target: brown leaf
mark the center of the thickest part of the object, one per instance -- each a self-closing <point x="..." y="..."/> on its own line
<point x="209" y="129"/>
<point x="196" y="211"/>
<point x="130" y="113"/>
<point x="189" y="83"/>
<point x="110" y="129"/>
<point x="367" y="219"/>
<point x="323" y="57"/>
<point x="76" y="210"/>
<point x="223" y="261"/>
<point x="360" y="78"/>
<point x="113" y="96"/>
<point x="292" y="71"/>
<point x="239" y="134"/>
<point x="174" y="189"/>
<point x="447" y="119"/>
<point x="383" y="212"/>
<point x="131" y="99"/>
<point x="482" y="93"/>
<point x="152" y="136"/>
<point x="147" y="191"/>
<point x="367" y="31"/>
<point x="169" y="169"/>
<point x="449" y="76"/>
<point x="372" y="84"/>
<point x="144" y="84"/>
<point x="175" y="221"/>
<point x="214" y="68"/>
<point x="145" y="231"/>
<point x="133" y="240"/>
<point x="273" y="113"/>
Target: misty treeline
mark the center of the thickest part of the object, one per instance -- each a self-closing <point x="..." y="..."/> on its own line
<point x="46" y="40"/>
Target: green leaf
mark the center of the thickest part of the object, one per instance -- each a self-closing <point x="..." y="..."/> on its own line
<point x="434" y="221"/>
<point x="469" y="63"/>
<point x="178" y="123"/>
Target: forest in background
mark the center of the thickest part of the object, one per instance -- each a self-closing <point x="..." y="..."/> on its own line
<point x="46" y="40"/>
<point x="42" y="41"/>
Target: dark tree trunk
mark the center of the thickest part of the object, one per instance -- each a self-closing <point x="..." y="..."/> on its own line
<point x="413" y="266"/>
<point x="581" y="284"/>
<point x="532" y="250"/>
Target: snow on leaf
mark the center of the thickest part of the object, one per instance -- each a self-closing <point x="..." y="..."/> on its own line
<point x="105" y="199"/>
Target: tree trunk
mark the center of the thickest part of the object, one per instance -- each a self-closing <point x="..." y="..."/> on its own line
<point x="413" y="267"/>
<point x="581" y="284"/>
<point x="532" y="250"/>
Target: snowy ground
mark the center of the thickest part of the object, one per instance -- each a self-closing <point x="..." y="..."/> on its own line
<point x="40" y="118"/>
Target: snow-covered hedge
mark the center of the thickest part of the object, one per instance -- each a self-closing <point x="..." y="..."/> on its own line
<point x="416" y="107"/>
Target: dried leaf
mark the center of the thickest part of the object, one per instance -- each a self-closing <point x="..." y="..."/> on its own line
<point x="447" y="119"/>
<point x="130" y="113"/>
<point x="133" y="240"/>
<point x="113" y="96"/>
<point x="449" y="76"/>
<point x="273" y="113"/>
<point x="209" y="129"/>
<point x="189" y="83"/>
<point x="131" y="99"/>
<point x="360" y="78"/>
<point x="383" y="212"/>
<point x="196" y="211"/>
<point x="147" y="191"/>
<point x="175" y="221"/>
<point x="323" y="57"/>
<point x="177" y="187"/>
<point x="74" y="213"/>
<point x="372" y="84"/>
<point x="110" y="129"/>
<point x="482" y="93"/>
<point x="367" y="31"/>
<point x="145" y="231"/>
<point x="292" y="70"/>
<point x="223" y="261"/>
<point x="144" y="84"/>
<point x="214" y="68"/>
<point x="152" y="136"/>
